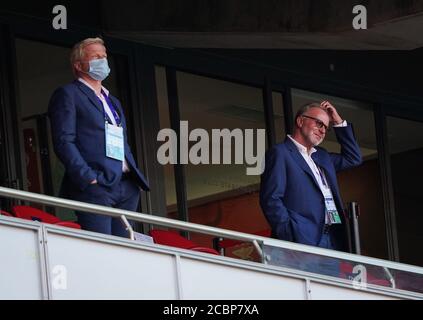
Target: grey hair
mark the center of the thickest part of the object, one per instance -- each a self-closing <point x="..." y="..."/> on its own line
<point x="303" y="109"/>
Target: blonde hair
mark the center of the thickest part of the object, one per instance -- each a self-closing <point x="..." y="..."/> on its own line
<point x="77" y="52"/>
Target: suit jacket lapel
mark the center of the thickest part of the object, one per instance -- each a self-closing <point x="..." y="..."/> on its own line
<point x="324" y="167"/>
<point x="91" y="95"/>
<point x="300" y="160"/>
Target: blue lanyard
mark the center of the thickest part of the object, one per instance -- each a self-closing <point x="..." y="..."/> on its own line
<point x="325" y="183"/>
<point x="112" y="108"/>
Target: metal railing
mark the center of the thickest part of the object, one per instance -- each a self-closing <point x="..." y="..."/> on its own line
<point x="258" y="241"/>
<point x="135" y="216"/>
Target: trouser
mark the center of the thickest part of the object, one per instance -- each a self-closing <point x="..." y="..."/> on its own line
<point x="124" y="195"/>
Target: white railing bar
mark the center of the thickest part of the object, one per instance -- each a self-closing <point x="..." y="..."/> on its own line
<point x="128" y="227"/>
<point x="259" y="250"/>
<point x="390" y="277"/>
<point x="117" y="213"/>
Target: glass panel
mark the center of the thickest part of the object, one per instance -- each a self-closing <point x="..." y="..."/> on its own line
<point x="221" y="194"/>
<point x="406" y="148"/>
<point x="362" y="275"/>
<point x="169" y="174"/>
<point x="361" y="184"/>
<point x="41" y="69"/>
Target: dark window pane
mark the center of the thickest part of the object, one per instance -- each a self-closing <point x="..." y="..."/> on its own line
<point x="163" y="105"/>
<point x="222" y="195"/>
<point x="406" y="149"/>
<point x="278" y="116"/>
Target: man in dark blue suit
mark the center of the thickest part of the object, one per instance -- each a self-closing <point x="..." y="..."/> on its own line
<point x="89" y="136"/>
<point x="299" y="192"/>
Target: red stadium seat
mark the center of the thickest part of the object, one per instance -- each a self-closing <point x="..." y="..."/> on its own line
<point x="174" y="239"/>
<point x="4" y="213"/>
<point x="224" y="244"/>
<point x="29" y="213"/>
<point x="240" y="249"/>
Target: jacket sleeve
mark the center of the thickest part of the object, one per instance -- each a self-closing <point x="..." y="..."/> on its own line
<point x="272" y="190"/>
<point x="350" y="155"/>
<point x="62" y="114"/>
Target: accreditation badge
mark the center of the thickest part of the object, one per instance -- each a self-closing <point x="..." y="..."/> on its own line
<point x="331" y="211"/>
<point x="114" y="142"/>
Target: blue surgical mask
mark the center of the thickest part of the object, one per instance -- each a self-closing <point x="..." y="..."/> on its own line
<point x="99" y="69"/>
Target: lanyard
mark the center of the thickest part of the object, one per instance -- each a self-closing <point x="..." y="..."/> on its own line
<point x="111" y="107"/>
<point x="324" y="181"/>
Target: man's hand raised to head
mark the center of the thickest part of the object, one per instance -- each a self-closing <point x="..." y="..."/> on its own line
<point x="333" y="114"/>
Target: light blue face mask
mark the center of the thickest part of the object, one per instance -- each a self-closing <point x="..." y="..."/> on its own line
<point x="99" y="69"/>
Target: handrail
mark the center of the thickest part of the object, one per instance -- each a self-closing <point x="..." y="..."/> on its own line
<point x="128" y="227"/>
<point x="189" y="226"/>
<point x="117" y="213"/>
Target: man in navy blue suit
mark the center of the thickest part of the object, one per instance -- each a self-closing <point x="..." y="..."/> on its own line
<point x="299" y="192"/>
<point x="89" y="136"/>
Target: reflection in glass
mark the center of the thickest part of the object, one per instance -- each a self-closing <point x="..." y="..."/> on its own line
<point x="360" y="274"/>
